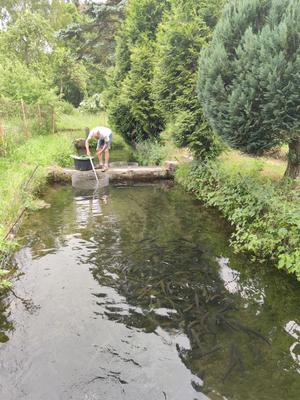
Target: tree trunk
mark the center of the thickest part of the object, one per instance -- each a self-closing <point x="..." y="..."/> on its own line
<point x="293" y="167"/>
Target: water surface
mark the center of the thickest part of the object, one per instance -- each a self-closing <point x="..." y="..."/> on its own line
<point x="133" y="293"/>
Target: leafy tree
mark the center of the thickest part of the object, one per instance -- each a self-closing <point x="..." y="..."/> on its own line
<point x="58" y="13"/>
<point x="17" y="82"/>
<point x="181" y="36"/>
<point x="70" y="76"/>
<point x="249" y="77"/>
<point x="91" y="39"/>
<point x="29" y="40"/>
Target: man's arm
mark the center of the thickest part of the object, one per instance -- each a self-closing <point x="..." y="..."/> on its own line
<point x="102" y="149"/>
<point x="87" y="147"/>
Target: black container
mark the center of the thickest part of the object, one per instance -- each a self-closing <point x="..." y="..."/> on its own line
<point x="82" y="164"/>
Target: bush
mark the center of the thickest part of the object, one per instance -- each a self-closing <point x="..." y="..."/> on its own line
<point x="150" y="153"/>
<point x="191" y="130"/>
<point x="66" y="108"/>
<point x="266" y="216"/>
<point x="92" y="104"/>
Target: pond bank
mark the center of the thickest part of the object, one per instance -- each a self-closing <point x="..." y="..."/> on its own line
<point x="265" y="214"/>
<point x="23" y="175"/>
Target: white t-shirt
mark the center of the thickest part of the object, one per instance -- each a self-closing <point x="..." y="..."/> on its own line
<point x="100" y="132"/>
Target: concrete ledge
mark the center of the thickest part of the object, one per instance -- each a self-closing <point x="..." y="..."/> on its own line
<point x="116" y="174"/>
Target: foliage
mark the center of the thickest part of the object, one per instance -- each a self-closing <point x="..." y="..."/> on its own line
<point x="58" y="13"/>
<point x="248" y="76"/>
<point x="134" y="112"/>
<point x="17" y="81"/>
<point x="92" y="104"/>
<point x="91" y="39"/>
<point x="30" y="48"/>
<point x="191" y="130"/>
<point x="149" y="152"/>
<point x="181" y="35"/>
<point x="29" y="40"/>
<point x="266" y="216"/>
<point x="70" y="76"/>
<point x="130" y="102"/>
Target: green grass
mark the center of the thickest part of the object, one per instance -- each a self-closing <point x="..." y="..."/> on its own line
<point x="78" y="120"/>
<point x="269" y="169"/>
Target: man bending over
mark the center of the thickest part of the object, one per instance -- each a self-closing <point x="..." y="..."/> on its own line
<point x="103" y="136"/>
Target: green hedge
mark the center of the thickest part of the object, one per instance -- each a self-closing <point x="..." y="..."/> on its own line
<point x="266" y="216"/>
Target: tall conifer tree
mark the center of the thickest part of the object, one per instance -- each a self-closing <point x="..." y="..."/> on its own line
<point x="130" y="102"/>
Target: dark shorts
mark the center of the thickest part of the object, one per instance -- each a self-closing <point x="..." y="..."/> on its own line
<point x="101" y="142"/>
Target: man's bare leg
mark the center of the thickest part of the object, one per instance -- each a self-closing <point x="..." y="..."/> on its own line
<point x="100" y="157"/>
<point x="106" y="158"/>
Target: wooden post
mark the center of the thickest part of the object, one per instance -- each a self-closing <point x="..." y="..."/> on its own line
<point x="24" y="118"/>
<point x="53" y="120"/>
<point x="2" y="131"/>
<point x="40" y="115"/>
<point x="2" y="138"/>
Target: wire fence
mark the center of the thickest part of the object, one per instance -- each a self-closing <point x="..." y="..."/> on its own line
<point x="19" y="121"/>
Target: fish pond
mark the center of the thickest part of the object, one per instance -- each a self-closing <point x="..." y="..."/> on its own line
<point x="132" y="292"/>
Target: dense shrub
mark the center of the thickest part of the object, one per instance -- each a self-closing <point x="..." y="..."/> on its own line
<point x="150" y="152"/>
<point x="266" y="217"/>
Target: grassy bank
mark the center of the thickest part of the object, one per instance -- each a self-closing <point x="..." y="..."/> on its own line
<point x="265" y="213"/>
<point x="23" y="174"/>
<point x="23" y="171"/>
<point x="16" y="170"/>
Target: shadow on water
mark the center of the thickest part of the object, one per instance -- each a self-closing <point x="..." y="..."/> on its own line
<point x="163" y="268"/>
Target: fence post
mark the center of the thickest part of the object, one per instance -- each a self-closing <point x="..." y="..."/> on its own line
<point x="24" y="118"/>
<point x="40" y="115"/>
<point x="2" y="131"/>
<point x="2" y="138"/>
<point x="53" y="120"/>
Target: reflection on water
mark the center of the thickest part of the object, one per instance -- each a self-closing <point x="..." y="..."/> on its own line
<point x="135" y="294"/>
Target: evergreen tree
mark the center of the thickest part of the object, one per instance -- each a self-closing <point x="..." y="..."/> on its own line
<point x="130" y="102"/>
<point x="249" y="77"/>
<point x="181" y="36"/>
<point x="134" y="112"/>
